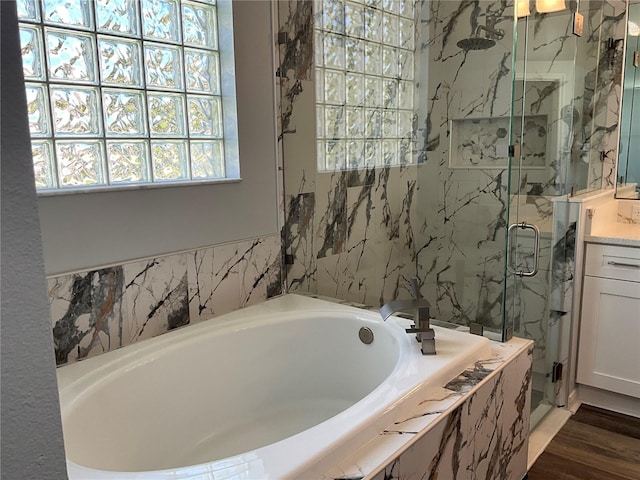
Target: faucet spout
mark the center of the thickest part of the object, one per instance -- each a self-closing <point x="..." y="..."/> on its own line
<point x="419" y="306"/>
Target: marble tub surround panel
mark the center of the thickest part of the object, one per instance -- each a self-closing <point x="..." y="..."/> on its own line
<point x="96" y="311"/>
<point x="475" y="427"/>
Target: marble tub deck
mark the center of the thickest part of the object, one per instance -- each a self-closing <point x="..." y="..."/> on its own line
<point x="476" y="426"/>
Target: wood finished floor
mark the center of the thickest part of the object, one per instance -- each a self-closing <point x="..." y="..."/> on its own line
<point x="594" y="444"/>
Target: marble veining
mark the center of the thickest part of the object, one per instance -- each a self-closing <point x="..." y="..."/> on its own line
<point x="475" y="427"/>
<point x="100" y="310"/>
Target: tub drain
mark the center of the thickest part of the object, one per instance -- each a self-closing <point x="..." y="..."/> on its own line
<point x="366" y="335"/>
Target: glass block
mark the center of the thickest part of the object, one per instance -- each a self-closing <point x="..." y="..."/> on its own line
<point x="320" y="130"/>
<point x="405" y="124"/>
<point x="124" y="113"/>
<point x="389" y="62"/>
<point x="354" y="89"/>
<point x="405" y="95"/>
<point x="38" y="110"/>
<point x="120" y="61"/>
<point x="405" y="64"/>
<point x="319" y="85"/>
<point x="32" y="53"/>
<point x="373" y="3"/>
<point x="335" y="155"/>
<point x="390" y="93"/>
<point x="169" y="160"/>
<point x="371" y="153"/>
<point x="118" y="16"/>
<point x="355" y="154"/>
<point x="203" y="71"/>
<point x="80" y="163"/>
<point x="76" y="111"/>
<point x="205" y="116"/>
<point x="372" y="24"/>
<point x="389" y="152"/>
<point x="199" y="25"/>
<point x="166" y="114"/>
<point x="389" y="124"/>
<point x="161" y="20"/>
<point x="72" y="56"/>
<point x="372" y="123"/>
<point x="354" y="55"/>
<point x="318" y="49"/>
<point x="406" y="8"/>
<point x="355" y="122"/>
<point x="207" y="159"/>
<point x="334" y="89"/>
<point x="42" y="152"/>
<point x="163" y="66"/>
<point x="390" y="29"/>
<point x="334" y="51"/>
<point x="354" y="20"/>
<point x="333" y="15"/>
<point x="28" y="10"/>
<point x="390" y="5"/>
<point x="373" y="91"/>
<point x="70" y="13"/>
<point x="320" y="148"/>
<point x="373" y="58"/>
<point x="128" y="161"/>
<point x="334" y="122"/>
<point x="407" y="33"/>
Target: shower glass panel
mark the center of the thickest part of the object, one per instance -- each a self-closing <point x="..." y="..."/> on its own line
<point x="563" y="96"/>
<point x="396" y="122"/>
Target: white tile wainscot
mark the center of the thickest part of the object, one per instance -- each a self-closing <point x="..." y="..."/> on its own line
<point x="476" y="427"/>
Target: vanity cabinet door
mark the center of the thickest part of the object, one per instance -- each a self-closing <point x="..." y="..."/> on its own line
<point x="609" y="349"/>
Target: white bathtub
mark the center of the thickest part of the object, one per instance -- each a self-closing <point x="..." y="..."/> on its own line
<point x="273" y="391"/>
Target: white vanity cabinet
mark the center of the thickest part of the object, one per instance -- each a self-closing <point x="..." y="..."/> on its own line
<point x="609" y="347"/>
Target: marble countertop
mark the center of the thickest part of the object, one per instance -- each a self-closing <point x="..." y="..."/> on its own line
<point x="622" y="234"/>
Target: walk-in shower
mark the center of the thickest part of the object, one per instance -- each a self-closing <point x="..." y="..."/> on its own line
<point x="406" y="156"/>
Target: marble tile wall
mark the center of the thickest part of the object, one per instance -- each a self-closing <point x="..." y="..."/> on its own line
<point x="102" y="309"/>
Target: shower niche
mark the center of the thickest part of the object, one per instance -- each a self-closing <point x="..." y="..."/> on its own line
<point x="484" y="142"/>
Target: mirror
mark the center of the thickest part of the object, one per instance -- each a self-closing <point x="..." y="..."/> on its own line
<point x="628" y="179"/>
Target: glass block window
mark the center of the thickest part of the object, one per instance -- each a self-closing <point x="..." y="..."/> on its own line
<point x="122" y="92"/>
<point x="364" y="67"/>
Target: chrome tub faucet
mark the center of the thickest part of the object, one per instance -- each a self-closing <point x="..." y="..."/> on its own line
<point x="419" y="306"/>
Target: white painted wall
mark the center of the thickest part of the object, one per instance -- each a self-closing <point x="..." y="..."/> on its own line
<point x="32" y="446"/>
<point x="81" y="231"/>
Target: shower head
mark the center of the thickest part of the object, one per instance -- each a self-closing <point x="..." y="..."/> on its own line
<point x="481" y="43"/>
<point x="476" y="43"/>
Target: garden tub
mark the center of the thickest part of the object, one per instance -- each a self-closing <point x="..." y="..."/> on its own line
<point x="276" y="390"/>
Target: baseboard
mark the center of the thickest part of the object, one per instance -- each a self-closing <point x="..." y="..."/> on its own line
<point x="615" y="402"/>
<point x="573" y="404"/>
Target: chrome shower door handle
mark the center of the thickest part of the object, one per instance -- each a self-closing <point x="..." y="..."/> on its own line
<point x="536" y="249"/>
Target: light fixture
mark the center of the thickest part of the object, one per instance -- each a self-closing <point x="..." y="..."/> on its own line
<point x="548" y="6"/>
<point x="522" y="8"/>
<point x="634" y="29"/>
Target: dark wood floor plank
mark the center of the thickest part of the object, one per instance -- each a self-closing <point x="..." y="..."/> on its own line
<point x="611" y="421"/>
<point x="555" y="467"/>
<point x="594" y="444"/>
<point x="599" y="448"/>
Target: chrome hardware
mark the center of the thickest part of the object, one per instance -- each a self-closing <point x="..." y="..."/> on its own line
<point x="536" y="249"/>
<point x="622" y="264"/>
<point x="425" y="335"/>
<point x="366" y="335"/>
